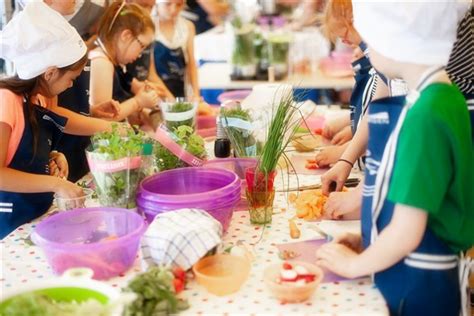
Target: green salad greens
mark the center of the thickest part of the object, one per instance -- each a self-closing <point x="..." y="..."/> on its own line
<point x="35" y="304"/>
<point x="184" y="136"/>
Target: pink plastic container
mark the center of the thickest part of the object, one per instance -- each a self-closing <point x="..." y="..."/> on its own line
<point x="235" y="95"/>
<point x="214" y="190"/>
<point x="103" y="239"/>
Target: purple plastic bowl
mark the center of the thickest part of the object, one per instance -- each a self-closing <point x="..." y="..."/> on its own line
<point x="237" y="165"/>
<point x="101" y="238"/>
<point x="215" y="190"/>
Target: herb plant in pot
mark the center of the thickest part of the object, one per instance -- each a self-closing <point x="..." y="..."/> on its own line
<point x="115" y="162"/>
<point x="260" y="180"/>
<point x="179" y="112"/>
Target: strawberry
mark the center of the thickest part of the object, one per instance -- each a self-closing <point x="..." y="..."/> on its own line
<point x="287" y="266"/>
<point x="306" y="277"/>
<point x="318" y="131"/>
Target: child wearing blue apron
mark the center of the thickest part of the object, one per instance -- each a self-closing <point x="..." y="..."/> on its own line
<point x="124" y="32"/>
<point x="48" y="55"/>
<point x="418" y="206"/>
<point x="173" y="51"/>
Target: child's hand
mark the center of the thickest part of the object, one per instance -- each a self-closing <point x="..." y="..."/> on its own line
<point x="352" y="241"/>
<point x="58" y="166"/>
<point x="340" y="204"/>
<point x="160" y="89"/>
<point x="338" y="258"/>
<point x="338" y="173"/>
<point x="147" y="99"/>
<point x="328" y="155"/>
<point x="66" y="189"/>
<point x="106" y="110"/>
<point x="343" y="136"/>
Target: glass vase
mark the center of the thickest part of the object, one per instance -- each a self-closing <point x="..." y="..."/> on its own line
<point x="260" y="194"/>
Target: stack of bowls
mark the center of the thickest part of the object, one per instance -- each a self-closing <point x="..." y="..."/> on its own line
<point x="216" y="191"/>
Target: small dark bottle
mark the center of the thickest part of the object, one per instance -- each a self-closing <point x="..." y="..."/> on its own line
<point x="222" y="143"/>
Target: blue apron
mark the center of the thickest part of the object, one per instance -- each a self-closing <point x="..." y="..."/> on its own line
<point x="73" y="147"/>
<point x="140" y="68"/>
<point x="200" y="16"/>
<point x="171" y="67"/>
<point x="363" y="90"/>
<point x="426" y="281"/>
<point x="20" y="208"/>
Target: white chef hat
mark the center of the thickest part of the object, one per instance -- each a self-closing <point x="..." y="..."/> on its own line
<point x="39" y="37"/>
<point x="420" y="32"/>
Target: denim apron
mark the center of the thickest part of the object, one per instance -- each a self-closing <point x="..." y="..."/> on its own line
<point x="19" y="208"/>
<point x="171" y="67"/>
<point x="426" y="281"/>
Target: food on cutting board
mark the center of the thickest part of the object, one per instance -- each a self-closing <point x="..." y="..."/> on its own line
<point x="311" y="164"/>
<point x="295" y="274"/>
<point x="305" y="142"/>
<point x="309" y="204"/>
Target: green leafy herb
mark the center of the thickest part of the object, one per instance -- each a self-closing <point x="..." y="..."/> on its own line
<point x="242" y="140"/>
<point x="178" y="108"/>
<point x="192" y="143"/>
<point x="156" y="294"/>
<point x="117" y="188"/>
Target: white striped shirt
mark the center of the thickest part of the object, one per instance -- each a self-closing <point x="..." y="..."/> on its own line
<point x="461" y="62"/>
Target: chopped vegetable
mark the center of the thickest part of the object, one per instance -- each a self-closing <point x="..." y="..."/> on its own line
<point x="294" y="231"/>
<point x="309" y="204"/>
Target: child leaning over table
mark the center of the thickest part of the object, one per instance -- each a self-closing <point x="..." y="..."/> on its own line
<point x="418" y="203"/>
<point x="48" y="55"/>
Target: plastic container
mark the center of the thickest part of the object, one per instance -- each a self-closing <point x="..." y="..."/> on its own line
<point x="234" y="95"/>
<point x="214" y="190"/>
<point x="291" y="292"/>
<point x="222" y="274"/>
<point x="105" y="240"/>
<point x="65" y="204"/>
<point x="69" y="287"/>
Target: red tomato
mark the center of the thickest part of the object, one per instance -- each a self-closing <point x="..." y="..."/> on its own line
<point x="178" y="285"/>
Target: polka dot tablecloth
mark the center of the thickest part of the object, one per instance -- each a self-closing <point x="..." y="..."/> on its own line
<point x="23" y="263"/>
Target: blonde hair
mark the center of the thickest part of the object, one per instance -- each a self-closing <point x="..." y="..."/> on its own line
<point x="336" y="12"/>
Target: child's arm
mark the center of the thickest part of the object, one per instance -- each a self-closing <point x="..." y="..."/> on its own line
<point x="191" y="67"/>
<point x="101" y="87"/>
<point x="18" y="181"/>
<point x="397" y="240"/>
<point x="81" y="125"/>
<point x="154" y="78"/>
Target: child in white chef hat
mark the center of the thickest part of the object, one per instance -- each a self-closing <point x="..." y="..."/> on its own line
<point x="418" y="203"/>
<point x="48" y="55"/>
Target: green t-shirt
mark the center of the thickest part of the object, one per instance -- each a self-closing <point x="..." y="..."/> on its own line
<point x="434" y="164"/>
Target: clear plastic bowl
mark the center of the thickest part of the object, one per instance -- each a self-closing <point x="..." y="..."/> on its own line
<point x="214" y="190"/>
<point x="105" y="240"/>
<point x="65" y="204"/>
<point x="222" y="274"/>
<point x="291" y="292"/>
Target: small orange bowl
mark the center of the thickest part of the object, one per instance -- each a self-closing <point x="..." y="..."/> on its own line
<point x="222" y="274"/>
<point x="291" y="292"/>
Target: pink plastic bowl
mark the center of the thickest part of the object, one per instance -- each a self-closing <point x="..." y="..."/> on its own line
<point x="103" y="239"/>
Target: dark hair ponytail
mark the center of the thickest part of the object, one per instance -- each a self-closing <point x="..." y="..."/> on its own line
<point x="30" y="87"/>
